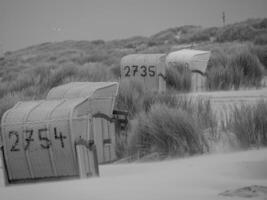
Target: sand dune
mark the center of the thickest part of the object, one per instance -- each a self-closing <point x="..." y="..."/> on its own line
<point x="200" y="177"/>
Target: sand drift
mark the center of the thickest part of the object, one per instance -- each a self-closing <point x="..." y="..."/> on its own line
<point x="201" y="177"/>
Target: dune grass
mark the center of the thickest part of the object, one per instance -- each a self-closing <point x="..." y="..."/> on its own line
<point x="175" y="125"/>
<point x="159" y="122"/>
<point x="131" y="96"/>
<point x="178" y="78"/>
<point x="167" y="131"/>
<point x="249" y="123"/>
<point x="234" y="68"/>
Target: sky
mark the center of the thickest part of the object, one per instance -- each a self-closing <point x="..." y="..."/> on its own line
<point x="29" y="22"/>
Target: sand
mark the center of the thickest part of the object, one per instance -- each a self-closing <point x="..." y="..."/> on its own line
<point x="215" y="176"/>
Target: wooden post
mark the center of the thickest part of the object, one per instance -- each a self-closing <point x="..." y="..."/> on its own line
<point x="85" y="150"/>
<point x="4" y="167"/>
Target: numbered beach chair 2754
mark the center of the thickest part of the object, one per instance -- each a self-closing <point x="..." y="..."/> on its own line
<point x="42" y="140"/>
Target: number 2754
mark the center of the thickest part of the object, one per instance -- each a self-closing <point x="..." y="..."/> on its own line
<point x="44" y="141"/>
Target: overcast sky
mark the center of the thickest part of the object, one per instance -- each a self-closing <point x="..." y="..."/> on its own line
<point x="28" y="22"/>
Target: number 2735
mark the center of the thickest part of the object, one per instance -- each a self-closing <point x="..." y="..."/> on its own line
<point x="144" y="70"/>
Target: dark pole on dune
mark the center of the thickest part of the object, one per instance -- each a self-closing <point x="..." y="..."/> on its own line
<point x="223" y="18"/>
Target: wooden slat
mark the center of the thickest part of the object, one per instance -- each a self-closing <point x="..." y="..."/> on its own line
<point x="98" y="139"/>
<point x="113" y="141"/>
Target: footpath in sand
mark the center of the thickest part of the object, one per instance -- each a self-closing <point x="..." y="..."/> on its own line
<point x="208" y="177"/>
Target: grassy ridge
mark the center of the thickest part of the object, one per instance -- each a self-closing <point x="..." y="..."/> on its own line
<point x="62" y="60"/>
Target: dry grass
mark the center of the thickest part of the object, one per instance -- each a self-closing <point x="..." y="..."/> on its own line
<point x="234" y="67"/>
<point x="167" y="131"/>
<point x="249" y="124"/>
<point x="178" y="78"/>
<point x="163" y="116"/>
<point x="131" y="96"/>
<point x="34" y="83"/>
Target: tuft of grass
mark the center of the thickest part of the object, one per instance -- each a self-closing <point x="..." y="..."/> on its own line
<point x="249" y="123"/>
<point x="131" y="96"/>
<point x="178" y="78"/>
<point x="94" y="72"/>
<point x="144" y="105"/>
<point x="237" y="67"/>
<point x="218" y="58"/>
<point x="57" y="77"/>
<point x="261" y="52"/>
<point x="261" y="39"/>
<point x="249" y="66"/>
<point x="115" y="69"/>
<point x="167" y="131"/>
<point x="219" y="78"/>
